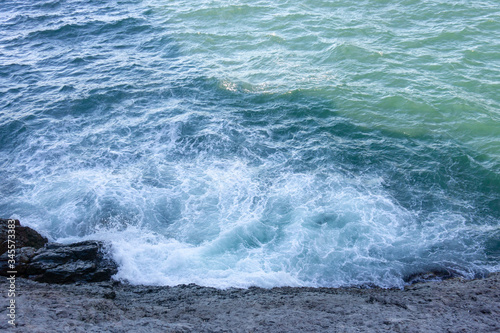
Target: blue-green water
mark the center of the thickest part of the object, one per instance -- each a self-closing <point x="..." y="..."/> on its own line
<point x="268" y="143"/>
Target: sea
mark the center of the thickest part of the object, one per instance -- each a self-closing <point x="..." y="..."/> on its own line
<point x="257" y="143"/>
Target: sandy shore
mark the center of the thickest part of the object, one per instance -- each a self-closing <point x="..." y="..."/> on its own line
<point x="449" y="306"/>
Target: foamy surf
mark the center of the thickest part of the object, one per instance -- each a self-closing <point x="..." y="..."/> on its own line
<point x="302" y="144"/>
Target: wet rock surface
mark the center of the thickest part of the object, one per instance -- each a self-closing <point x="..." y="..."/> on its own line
<point x="56" y="263"/>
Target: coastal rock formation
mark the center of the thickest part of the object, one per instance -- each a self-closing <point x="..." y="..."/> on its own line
<point x="25" y="236"/>
<point x="58" y="263"/>
<point x="55" y="263"/>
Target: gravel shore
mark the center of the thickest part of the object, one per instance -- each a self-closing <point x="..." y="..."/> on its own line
<point x="453" y="305"/>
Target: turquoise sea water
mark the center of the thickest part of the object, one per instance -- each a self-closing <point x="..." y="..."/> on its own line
<point x="268" y="143"/>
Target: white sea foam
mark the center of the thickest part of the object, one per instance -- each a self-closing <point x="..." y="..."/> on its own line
<point x="233" y="227"/>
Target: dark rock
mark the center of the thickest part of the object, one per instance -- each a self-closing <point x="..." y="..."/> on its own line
<point x="54" y="263"/>
<point x="22" y="258"/>
<point x="485" y="311"/>
<point x="110" y="295"/>
<point x="84" y="261"/>
<point x="434" y="275"/>
<point x="83" y="250"/>
<point x="25" y="236"/>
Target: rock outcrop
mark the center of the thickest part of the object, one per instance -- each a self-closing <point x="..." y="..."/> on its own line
<point x="41" y="261"/>
<point x="25" y="236"/>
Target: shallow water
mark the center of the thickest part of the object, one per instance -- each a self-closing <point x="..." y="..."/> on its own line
<point x="305" y="143"/>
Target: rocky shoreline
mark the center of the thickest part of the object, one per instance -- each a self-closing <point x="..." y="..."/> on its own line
<point x="68" y="288"/>
<point x="41" y="261"/>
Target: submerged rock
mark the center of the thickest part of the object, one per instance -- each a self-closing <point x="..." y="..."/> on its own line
<point x="431" y="275"/>
<point x="56" y="263"/>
